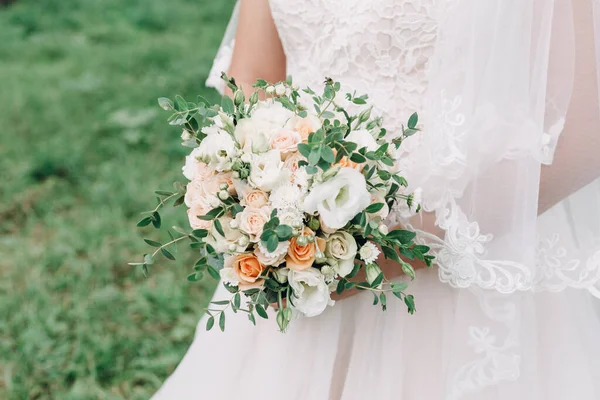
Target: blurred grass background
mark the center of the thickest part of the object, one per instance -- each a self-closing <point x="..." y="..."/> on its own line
<point x="83" y="145"/>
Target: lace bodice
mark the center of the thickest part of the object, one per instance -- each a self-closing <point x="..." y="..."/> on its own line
<point x="379" y="47"/>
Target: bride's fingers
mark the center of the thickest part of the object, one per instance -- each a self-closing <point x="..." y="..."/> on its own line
<point x="275" y="306"/>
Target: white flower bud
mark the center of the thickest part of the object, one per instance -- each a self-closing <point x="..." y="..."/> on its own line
<point x="295" y="86"/>
<point x="328" y="272"/>
<point x="238" y="97"/>
<point x="246" y="157"/>
<point x="232" y="247"/>
<point x="235" y="174"/>
<point x="213" y="201"/>
<point x="311" y="239"/>
<point x="320" y="257"/>
<point x="185" y="135"/>
<point x="302" y="241"/>
<point x="234" y="224"/>
<point x="281" y="274"/>
<point x="373" y="272"/>
<point x="383" y="229"/>
<point x="270" y="90"/>
<point x="223" y="186"/>
<point x="243" y="241"/>
<point x="280" y="90"/>
<point x="223" y="194"/>
<point x="295" y="232"/>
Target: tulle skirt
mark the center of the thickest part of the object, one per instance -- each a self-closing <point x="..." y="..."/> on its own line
<point x="356" y="351"/>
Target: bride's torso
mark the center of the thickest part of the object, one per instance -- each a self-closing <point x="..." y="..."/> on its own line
<point x="378" y="47"/>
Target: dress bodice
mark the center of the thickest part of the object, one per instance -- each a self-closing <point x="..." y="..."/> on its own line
<point x="376" y="47"/>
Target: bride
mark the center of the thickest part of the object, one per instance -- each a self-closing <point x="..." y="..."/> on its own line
<point x="508" y="169"/>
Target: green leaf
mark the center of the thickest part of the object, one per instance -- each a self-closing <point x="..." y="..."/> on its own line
<point x="165" y="104"/>
<point x="358" y="100"/>
<point x="145" y="270"/>
<point x="304" y="149"/>
<point x="340" y="287"/>
<point x="152" y="243"/>
<point x="373" y="208"/>
<point x="408" y="270"/>
<point x="412" y="121"/>
<point x="200" y="233"/>
<point x="260" y="310"/>
<point x="218" y="227"/>
<point x="421" y="248"/>
<point x="284" y="232"/>
<point x="212" y="214"/>
<point x="145" y="222"/>
<point x="179" y="201"/>
<point x="399" y="287"/>
<point x="375" y="299"/>
<point x="327" y="154"/>
<point x="167" y="254"/>
<point x="272" y="243"/>
<point x="302" y="114"/>
<point x="315" y="155"/>
<point x="390" y="253"/>
<point x="354" y="271"/>
<point x="156" y="219"/>
<point x="212" y="271"/>
<point x="402" y="236"/>
<point x="311" y="169"/>
<point x="222" y="322"/>
<point x="210" y="323"/>
<point x="410" y="303"/>
<point x="227" y="105"/>
<point x="357" y="158"/>
<point x="327" y="114"/>
<point x="220" y="302"/>
<point x="407" y="253"/>
<point x="196" y="276"/>
<point x="236" y="209"/>
<point x="252" y="319"/>
<point x="237" y="300"/>
<point x="377" y="281"/>
<point x="383" y="301"/>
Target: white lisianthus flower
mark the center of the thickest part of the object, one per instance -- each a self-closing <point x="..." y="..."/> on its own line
<point x="369" y="253"/>
<point x="328" y="273"/>
<point x="342" y="248"/>
<point x="310" y="291"/>
<point x="363" y="138"/>
<point x="266" y="171"/>
<point x="218" y="151"/>
<point x="250" y="138"/>
<point x="339" y="199"/>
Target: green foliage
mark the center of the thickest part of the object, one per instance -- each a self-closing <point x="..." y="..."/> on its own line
<point x="83" y="145"/>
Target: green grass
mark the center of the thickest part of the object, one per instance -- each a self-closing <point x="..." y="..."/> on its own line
<point x="82" y="147"/>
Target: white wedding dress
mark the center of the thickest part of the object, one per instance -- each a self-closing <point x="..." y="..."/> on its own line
<point x="503" y="316"/>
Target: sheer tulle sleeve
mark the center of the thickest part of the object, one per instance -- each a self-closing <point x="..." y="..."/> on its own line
<point x="224" y="54"/>
<point x="501" y="84"/>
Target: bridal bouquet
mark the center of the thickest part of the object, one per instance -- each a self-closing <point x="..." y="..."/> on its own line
<point x="287" y="199"/>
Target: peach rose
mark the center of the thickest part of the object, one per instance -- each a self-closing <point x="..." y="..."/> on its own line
<point x="248" y="269"/>
<point x="291" y="162"/>
<point x="256" y="198"/>
<point x="198" y="209"/>
<point x="194" y="192"/>
<point x="286" y="141"/>
<point x="211" y="185"/>
<point x="305" y="126"/>
<point x="251" y="221"/>
<point x="300" y="258"/>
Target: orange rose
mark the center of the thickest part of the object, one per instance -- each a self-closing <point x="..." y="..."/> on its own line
<point x="301" y="258"/>
<point x="305" y="126"/>
<point x="248" y="269"/>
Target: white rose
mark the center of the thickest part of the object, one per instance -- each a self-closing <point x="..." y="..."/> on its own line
<point x="194" y="168"/>
<point x="250" y="138"/>
<point x="310" y="291"/>
<point x="363" y="138"/>
<point x="342" y="248"/>
<point x="339" y="199"/>
<point x="221" y="243"/>
<point x="266" y="171"/>
<point x="218" y="150"/>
